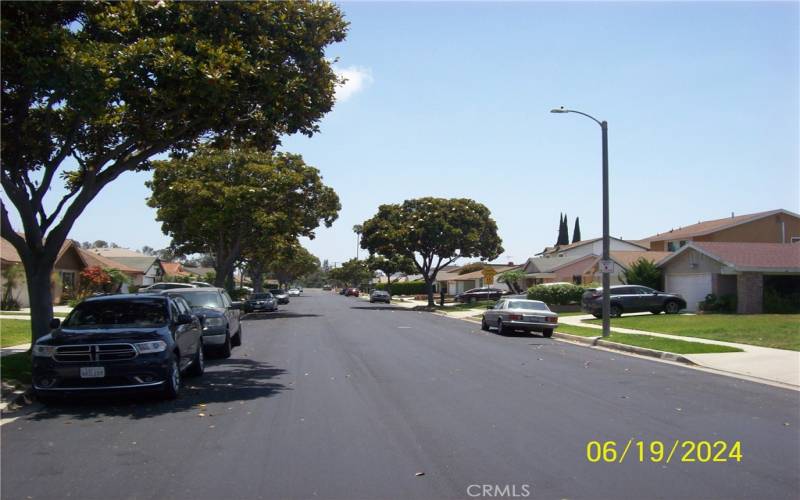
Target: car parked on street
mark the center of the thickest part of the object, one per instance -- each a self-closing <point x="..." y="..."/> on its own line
<point x="219" y="315"/>
<point x="263" y="301"/>
<point x="509" y="315"/>
<point x="631" y="298"/>
<point x="157" y="287"/>
<point x="476" y="294"/>
<point x="280" y="295"/>
<point x="380" y="296"/>
<point x="293" y="292"/>
<point x="327" y="288"/>
<point x="352" y="292"/>
<point x="119" y="342"/>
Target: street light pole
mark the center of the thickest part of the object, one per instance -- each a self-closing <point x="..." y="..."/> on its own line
<point x="606" y="259"/>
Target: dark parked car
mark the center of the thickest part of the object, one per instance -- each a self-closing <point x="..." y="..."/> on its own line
<point x="218" y="314"/>
<point x="120" y="342"/>
<point x="261" y="302"/>
<point x="280" y="295"/>
<point x="380" y="296"/>
<point x="631" y="298"/>
<point x="485" y="293"/>
<point x="351" y="292"/>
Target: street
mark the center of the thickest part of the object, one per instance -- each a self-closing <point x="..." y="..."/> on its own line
<point x="332" y="397"/>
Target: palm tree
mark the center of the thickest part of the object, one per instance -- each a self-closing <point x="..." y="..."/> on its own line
<point x="358" y="229"/>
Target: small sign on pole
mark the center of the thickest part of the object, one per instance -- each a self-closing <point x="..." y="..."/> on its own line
<point x="607" y="266"/>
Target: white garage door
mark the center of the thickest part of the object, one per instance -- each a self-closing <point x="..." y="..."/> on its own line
<point x="692" y="287"/>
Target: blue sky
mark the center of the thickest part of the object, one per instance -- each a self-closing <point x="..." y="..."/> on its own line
<point x="453" y="100"/>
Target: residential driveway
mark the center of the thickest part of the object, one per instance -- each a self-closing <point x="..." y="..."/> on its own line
<point x="336" y="398"/>
<point x="765" y="363"/>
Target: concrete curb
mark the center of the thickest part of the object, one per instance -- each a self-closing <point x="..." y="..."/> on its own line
<point x="642" y="351"/>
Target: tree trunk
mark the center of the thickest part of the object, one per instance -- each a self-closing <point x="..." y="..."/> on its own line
<point x="258" y="281"/>
<point x="429" y="288"/>
<point x="38" y="273"/>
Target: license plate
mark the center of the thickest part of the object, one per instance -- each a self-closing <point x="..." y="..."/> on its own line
<point x="93" y="372"/>
<point x="533" y="318"/>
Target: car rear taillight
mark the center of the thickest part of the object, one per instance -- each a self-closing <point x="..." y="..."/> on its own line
<point x="515" y="317"/>
<point x="552" y="319"/>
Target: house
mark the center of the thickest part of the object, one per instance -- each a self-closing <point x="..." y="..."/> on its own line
<point x="774" y="226"/>
<point x="590" y="247"/>
<point x="95" y="260"/>
<point x="66" y="271"/>
<point x="454" y="283"/>
<point x="744" y="269"/>
<point x="623" y="260"/>
<point x="175" y="269"/>
<point x="555" y="269"/>
<point x="150" y="267"/>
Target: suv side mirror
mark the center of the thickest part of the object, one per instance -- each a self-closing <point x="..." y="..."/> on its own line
<point x="183" y="319"/>
<point x="55" y="323"/>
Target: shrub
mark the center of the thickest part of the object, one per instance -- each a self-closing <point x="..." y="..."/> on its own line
<point x="405" y="288"/>
<point x="643" y="272"/>
<point x="778" y="303"/>
<point x="557" y="294"/>
<point x="721" y="304"/>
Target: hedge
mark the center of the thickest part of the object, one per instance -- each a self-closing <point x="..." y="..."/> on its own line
<point x="557" y="294"/>
<point x="405" y="288"/>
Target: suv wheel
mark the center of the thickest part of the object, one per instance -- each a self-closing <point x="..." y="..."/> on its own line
<point x="237" y="339"/>
<point x="615" y="311"/>
<point x="172" y="386"/>
<point x="672" y="307"/>
<point x="225" y="350"/>
<point x="198" y="363"/>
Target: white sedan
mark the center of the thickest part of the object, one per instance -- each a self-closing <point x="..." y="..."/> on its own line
<point x="294" y="292"/>
<point x="509" y="315"/>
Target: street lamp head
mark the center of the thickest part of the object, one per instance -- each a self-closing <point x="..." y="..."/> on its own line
<point x="559" y="110"/>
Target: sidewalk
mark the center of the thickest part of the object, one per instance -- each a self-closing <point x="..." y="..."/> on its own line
<point x="776" y="365"/>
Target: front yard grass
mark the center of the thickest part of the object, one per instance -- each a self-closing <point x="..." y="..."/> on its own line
<point x="16" y="368"/>
<point x="657" y="343"/>
<point x="781" y="331"/>
<point x="14" y="332"/>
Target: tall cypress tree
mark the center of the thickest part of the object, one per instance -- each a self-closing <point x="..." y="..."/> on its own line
<point x="560" y="228"/>
<point x="576" y="233"/>
<point x="563" y="232"/>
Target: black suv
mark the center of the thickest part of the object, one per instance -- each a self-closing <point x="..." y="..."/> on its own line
<point x="485" y="293"/>
<point x="219" y="316"/>
<point x="119" y="342"/>
<point x="631" y="298"/>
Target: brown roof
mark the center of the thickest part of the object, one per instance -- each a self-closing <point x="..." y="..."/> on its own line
<point x="561" y="248"/>
<point x="9" y="254"/>
<point x="711" y="226"/>
<point x="753" y="255"/>
<point x="92" y="259"/>
<point x="174" y="269"/>
<point x="626" y="258"/>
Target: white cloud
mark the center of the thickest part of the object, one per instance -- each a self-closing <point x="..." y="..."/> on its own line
<point x="358" y="79"/>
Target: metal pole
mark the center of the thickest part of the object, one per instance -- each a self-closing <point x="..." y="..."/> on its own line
<point x="606" y="239"/>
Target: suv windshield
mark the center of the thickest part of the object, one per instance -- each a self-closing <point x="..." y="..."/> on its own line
<point x="140" y="313"/>
<point x="261" y="296"/>
<point x="203" y="299"/>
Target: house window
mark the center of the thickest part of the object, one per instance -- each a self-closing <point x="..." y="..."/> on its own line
<point x="675" y="245"/>
<point x="68" y="280"/>
<point x="577" y="279"/>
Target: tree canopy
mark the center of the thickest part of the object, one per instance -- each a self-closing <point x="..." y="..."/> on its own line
<point x="394" y="264"/>
<point x="94" y="89"/>
<point x="433" y="232"/>
<point x="352" y="272"/>
<point x="220" y="202"/>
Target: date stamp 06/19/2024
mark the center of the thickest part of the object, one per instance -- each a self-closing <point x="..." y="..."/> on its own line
<point x="664" y="452"/>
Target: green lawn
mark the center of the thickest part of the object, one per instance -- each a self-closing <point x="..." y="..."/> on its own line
<point x="658" y="343"/>
<point x="781" y="331"/>
<point x="16" y="367"/>
<point x="14" y="332"/>
<point x="19" y="313"/>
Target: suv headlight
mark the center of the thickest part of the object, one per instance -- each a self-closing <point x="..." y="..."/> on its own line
<point x="151" y="347"/>
<point x="215" y="322"/>
<point x="43" y="351"/>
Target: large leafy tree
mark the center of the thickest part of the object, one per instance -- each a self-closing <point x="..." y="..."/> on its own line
<point x="94" y="89"/>
<point x="352" y="272"/>
<point x="293" y="263"/>
<point x="433" y="232"/>
<point x="219" y="202"/>
<point x="390" y="265"/>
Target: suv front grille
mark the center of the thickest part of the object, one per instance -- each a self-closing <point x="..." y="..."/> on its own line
<point x="94" y="352"/>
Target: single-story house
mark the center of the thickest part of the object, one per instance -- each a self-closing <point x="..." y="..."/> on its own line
<point x="774" y="226"/>
<point x="555" y="269"/>
<point x="744" y="269"/>
<point x="592" y="246"/>
<point x="455" y="283"/>
<point x="68" y="266"/>
<point x="95" y="260"/>
<point x="175" y="269"/>
<point x="622" y="262"/>
<point x="150" y="267"/>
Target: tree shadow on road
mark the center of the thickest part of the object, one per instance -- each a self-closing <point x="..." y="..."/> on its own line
<point x="276" y="315"/>
<point x="225" y="381"/>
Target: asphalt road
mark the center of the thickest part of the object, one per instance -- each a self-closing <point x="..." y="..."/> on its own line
<point x="335" y="398"/>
